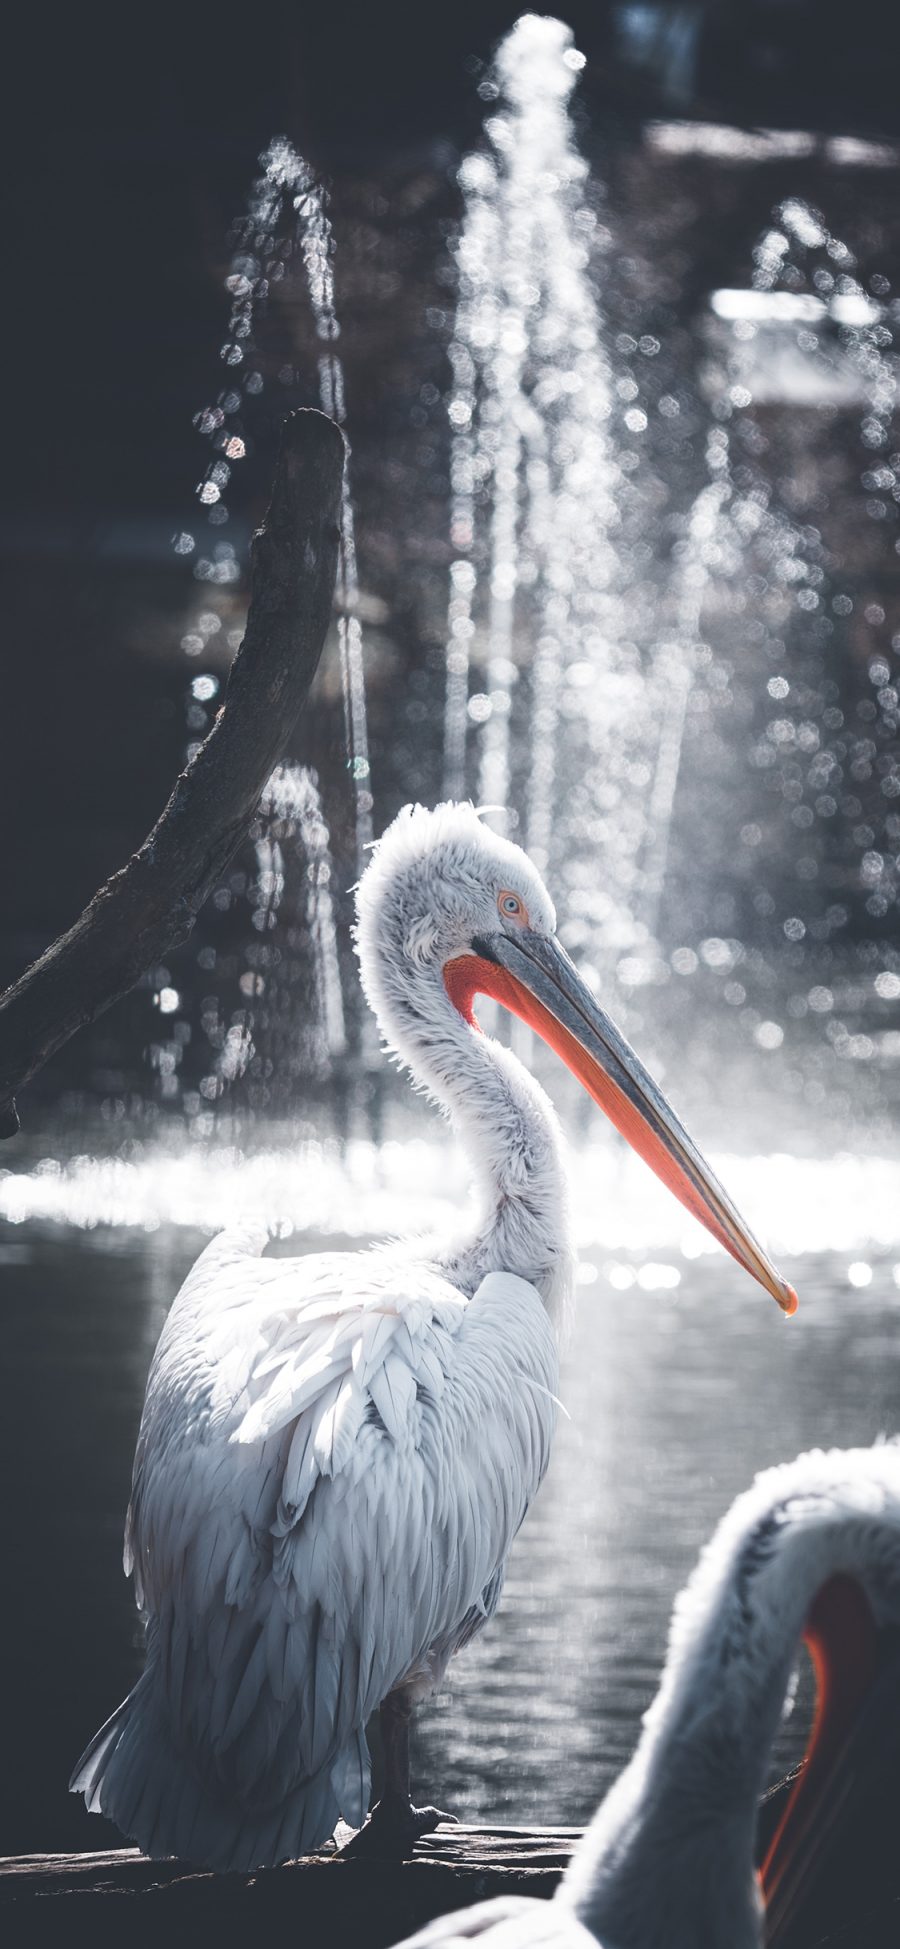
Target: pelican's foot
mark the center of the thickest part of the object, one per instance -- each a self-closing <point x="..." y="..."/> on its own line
<point x="393" y="1829"/>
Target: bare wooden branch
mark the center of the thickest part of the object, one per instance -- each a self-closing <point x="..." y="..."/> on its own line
<point x="320" y="1900"/>
<point x="152" y="904"/>
<point x="49" y="1898"/>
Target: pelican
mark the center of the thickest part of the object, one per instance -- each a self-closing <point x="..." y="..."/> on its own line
<point x="813" y="1550"/>
<point x="336" y="1451"/>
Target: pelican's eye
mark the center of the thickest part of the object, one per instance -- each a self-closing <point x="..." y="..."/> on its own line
<point x="511" y="907"/>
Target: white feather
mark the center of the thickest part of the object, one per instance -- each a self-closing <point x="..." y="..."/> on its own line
<point x="336" y="1452"/>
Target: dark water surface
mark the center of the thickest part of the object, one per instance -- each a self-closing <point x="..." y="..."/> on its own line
<point x="675" y="1400"/>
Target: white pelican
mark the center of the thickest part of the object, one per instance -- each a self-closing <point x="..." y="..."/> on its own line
<point x="336" y="1451"/>
<point x="811" y="1550"/>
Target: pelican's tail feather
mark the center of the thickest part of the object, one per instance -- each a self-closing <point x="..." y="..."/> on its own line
<point x="88" y="1774"/>
<point x="134" y="1773"/>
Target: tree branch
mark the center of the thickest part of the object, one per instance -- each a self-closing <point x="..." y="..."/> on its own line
<point x="153" y="902"/>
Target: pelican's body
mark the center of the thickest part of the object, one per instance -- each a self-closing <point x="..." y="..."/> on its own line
<point x="336" y="1452"/>
<point x="668" y="1862"/>
<point x="300" y="1453"/>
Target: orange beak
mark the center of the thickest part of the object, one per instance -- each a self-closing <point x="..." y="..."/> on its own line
<point x="845" y="1793"/>
<point x="532" y="976"/>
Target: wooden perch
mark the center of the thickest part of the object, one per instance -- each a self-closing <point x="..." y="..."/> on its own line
<point x="53" y="1899"/>
<point x="152" y="904"/>
<point x="116" y="1897"/>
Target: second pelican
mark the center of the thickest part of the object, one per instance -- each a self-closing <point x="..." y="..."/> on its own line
<point x="811" y="1550"/>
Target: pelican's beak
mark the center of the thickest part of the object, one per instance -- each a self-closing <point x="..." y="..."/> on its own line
<point x="532" y="976"/>
<point x="838" y="1828"/>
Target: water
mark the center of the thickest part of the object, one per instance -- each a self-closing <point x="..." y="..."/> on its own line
<point x="573" y="678"/>
<point x="288" y="178"/>
<point x="318" y="251"/>
<point x="291" y="818"/>
<point x="287" y="218"/>
<point x="531" y="462"/>
<point x="673" y="1407"/>
<point x="676" y="667"/>
<point x="846" y="1204"/>
<point x="287" y="221"/>
<point x="675" y="1395"/>
<point x="798" y="648"/>
<point x="694" y="734"/>
<point x="276" y="1016"/>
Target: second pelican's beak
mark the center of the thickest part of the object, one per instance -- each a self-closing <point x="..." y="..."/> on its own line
<point x="531" y="975"/>
<point x="838" y="1828"/>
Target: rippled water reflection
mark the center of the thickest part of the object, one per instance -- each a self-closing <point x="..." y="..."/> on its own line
<point x="675" y="1398"/>
<point x="675" y="1401"/>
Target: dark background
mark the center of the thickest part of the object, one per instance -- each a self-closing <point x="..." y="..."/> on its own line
<point x="133" y="136"/>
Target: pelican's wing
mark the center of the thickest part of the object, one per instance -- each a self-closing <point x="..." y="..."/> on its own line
<point x="513" y="1922"/>
<point x="335" y="1456"/>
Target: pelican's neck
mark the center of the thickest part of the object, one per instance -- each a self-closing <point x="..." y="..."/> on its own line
<point x="513" y="1140"/>
<point x="668" y="1858"/>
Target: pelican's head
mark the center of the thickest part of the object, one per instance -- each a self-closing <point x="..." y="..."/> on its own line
<point x="447" y="910"/>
